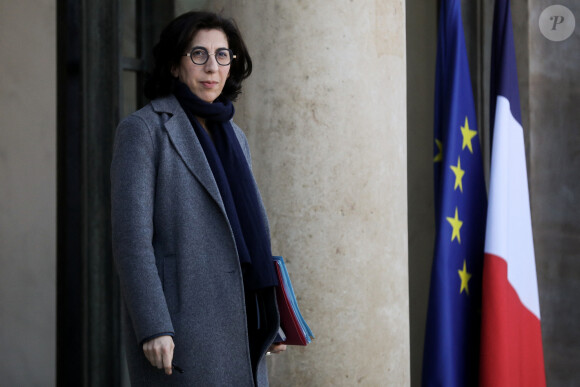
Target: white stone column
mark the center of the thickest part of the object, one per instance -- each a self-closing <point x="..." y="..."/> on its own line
<point x="325" y="114"/>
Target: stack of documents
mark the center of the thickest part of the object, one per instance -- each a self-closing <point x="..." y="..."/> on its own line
<point x="294" y="330"/>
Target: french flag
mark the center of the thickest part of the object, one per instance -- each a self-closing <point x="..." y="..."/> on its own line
<point x="511" y="337"/>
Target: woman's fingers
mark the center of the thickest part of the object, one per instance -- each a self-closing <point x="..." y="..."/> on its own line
<point x="159" y="352"/>
<point x="277" y="348"/>
<point x="167" y="361"/>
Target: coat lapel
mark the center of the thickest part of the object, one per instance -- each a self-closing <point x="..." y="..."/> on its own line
<point x="183" y="137"/>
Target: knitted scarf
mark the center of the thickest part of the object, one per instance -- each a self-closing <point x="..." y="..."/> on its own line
<point x="235" y="183"/>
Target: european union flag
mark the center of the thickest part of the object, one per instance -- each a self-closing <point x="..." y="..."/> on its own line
<point x="451" y="352"/>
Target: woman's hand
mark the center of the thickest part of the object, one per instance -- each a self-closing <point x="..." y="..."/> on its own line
<point x="159" y="352"/>
<point x="277" y="348"/>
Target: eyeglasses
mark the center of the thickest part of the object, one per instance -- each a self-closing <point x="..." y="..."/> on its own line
<point x="199" y="56"/>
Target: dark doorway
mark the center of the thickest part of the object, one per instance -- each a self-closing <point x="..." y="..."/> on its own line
<point x="103" y="49"/>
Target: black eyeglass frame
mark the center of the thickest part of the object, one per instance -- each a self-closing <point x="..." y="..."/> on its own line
<point x="232" y="56"/>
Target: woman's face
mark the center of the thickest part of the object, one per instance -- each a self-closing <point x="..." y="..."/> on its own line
<point x="205" y="81"/>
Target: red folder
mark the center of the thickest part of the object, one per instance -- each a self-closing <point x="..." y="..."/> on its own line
<point x="288" y="320"/>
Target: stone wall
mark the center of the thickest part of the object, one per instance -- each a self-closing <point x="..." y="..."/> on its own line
<point x="554" y="160"/>
<point x="28" y="192"/>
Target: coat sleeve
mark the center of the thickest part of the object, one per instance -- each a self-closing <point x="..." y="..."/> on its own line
<point x="133" y="175"/>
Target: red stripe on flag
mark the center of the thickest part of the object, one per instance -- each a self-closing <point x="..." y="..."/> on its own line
<point x="511" y="337"/>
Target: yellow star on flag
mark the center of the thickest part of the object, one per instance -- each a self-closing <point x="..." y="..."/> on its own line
<point x="468" y="135"/>
<point x="465" y="276"/>
<point x="458" y="174"/>
<point x="439" y="155"/>
<point x="456" y="224"/>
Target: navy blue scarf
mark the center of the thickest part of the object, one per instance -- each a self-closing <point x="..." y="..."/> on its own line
<point x="235" y="183"/>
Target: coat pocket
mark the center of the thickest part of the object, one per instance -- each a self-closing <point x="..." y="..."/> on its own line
<point x="170" y="283"/>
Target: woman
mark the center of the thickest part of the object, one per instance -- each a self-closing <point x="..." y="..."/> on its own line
<point x="190" y="235"/>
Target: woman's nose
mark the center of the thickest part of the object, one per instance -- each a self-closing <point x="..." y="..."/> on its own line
<point x="211" y="64"/>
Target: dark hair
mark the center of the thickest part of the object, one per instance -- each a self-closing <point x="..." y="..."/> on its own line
<point x="174" y="41"/>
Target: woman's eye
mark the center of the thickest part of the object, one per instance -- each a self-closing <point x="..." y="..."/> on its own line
<point x="198" y="54"/>
<point x="223" y="54"/>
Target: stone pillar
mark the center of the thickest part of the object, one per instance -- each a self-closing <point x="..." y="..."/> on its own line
<point x="325" y="114"/>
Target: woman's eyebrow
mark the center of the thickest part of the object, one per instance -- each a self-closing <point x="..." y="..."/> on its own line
<point x="205" y="48"/>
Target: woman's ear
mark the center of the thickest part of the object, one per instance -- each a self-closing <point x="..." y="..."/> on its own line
<point x="174" y="71"/>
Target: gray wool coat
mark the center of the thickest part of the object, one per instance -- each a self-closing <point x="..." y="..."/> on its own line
<point x="176" y="256"/>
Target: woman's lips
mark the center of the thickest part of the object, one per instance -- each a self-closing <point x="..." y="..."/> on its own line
<point x="209" y="84"/>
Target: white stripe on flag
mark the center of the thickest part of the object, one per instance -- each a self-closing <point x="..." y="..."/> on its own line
<point x="509" y="226"/>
